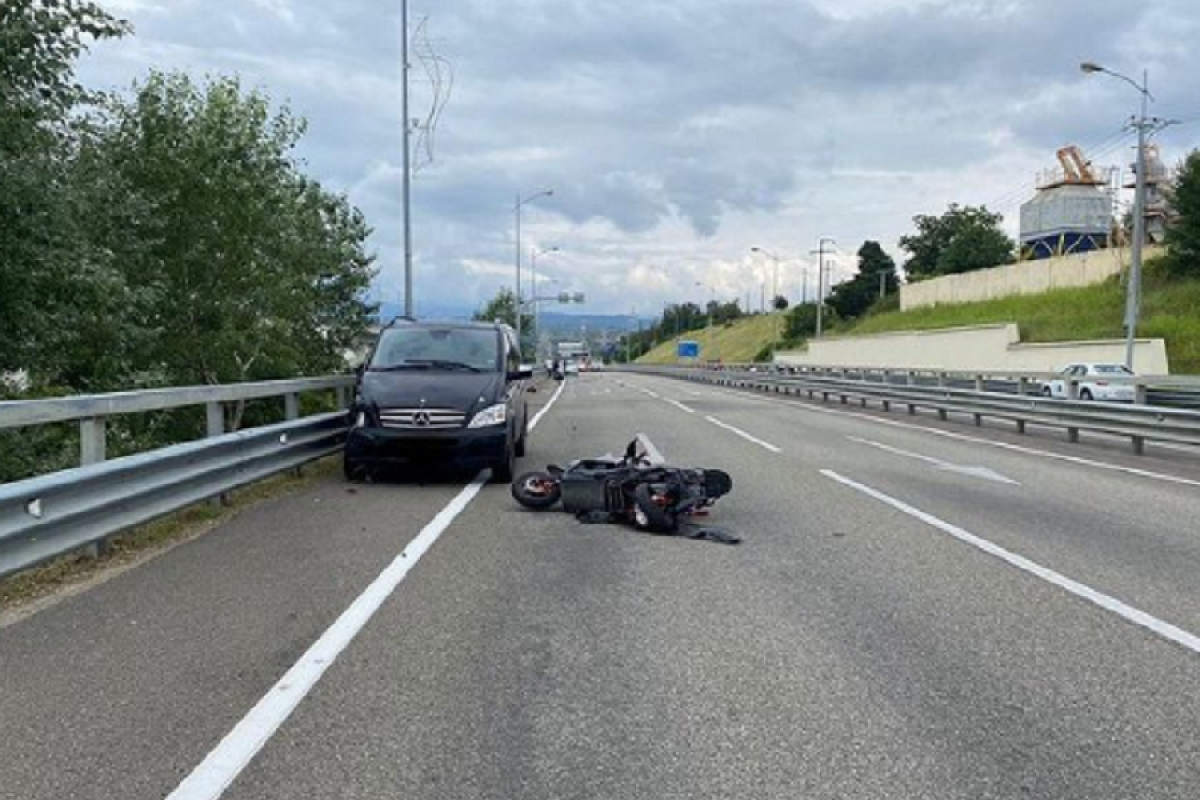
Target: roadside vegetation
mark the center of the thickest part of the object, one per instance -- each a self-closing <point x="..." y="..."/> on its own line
<point x="164" y="236"/>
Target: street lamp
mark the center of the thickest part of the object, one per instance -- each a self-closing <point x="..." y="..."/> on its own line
<point x="774" y="272"/>
<point x="534" y="252"/>
<point x="820" y="253"/>
<point x="1144" y="127"/>
<point x="711" y="303"/>
<point x="774" y="285"/>
<point x="517" y="213"/>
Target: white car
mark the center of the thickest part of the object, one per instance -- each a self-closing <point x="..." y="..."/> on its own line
<point x="1111" y="382"/>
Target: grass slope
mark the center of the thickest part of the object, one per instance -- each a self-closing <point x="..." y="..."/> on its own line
<point x="741" y="340"/>
<point x="1170" y="310"/>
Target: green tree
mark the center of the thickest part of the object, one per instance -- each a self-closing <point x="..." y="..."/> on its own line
<point x="47" y="273"/>
<point x="962" y="239"/>
<point x="1183" y="237"/>
<point x="852" y="298"/>
<point x="503" y="307"/>
<point x="249" y="269"/>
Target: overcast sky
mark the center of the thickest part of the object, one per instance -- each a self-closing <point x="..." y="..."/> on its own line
<point x="678" y="135"/>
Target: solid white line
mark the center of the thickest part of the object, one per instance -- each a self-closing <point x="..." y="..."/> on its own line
<point x="1107" y="602"/>
<point x="743" y="434"/>
<point x="1032" y="451"/>
<point x="210" y="779"/>
<point x="220" y="767"/>
<point x="541" y="413"/>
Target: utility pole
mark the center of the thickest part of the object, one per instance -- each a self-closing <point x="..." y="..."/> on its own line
<point x="407" y="164"/>
<point x="1145" y="127"/>
<point x="820" y="253"/>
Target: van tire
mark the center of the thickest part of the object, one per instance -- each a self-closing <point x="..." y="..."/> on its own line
<point x="503" y="470"/>
<point x="519" y="450"/>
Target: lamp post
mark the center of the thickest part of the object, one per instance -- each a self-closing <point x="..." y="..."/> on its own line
<point x="774" y="284"/>
<point x="820" y="254"/>
<point x="711" y="302"/>
<point x="406" y="183"/>
<point x="517" y="213"/>
<point x="534" y="252"/>
<point x="1144" y="128"/>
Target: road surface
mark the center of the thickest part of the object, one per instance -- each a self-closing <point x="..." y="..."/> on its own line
<point x="918" y="610"/>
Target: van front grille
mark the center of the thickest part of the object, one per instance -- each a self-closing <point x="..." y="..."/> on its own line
<point x="421" y="418"/>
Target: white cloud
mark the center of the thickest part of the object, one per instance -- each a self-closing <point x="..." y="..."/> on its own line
<point x="678" y="137"/>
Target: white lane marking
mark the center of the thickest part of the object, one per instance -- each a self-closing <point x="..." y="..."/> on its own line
<point x="221" y="767"/>
<point x="544" y="409"/>
<point x="680" y="405"/>
<point x="748" y="437"/>
<point x="1032" y="451"/>
<point x="975" y="472"/>
<point x="210" y="779"/>
<point x="1107" y="602"/>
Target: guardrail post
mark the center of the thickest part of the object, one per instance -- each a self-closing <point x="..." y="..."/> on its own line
<point x="1023" y="386"/>
<point x="215" y="416"/>
<point x="1139" y="445"/>
<point x="291" y="406"/>
<point x="1139" y="394"/>
<point x="1072" y="392"/>
<point x="91" y="441"/>
<point x="92" y="450"/>
<point x="341" y="397"/>
<point x="979" y="385"/>
<point x="1073" y="435"/>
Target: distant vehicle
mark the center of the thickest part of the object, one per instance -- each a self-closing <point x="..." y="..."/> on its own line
<point x="571" y="367"/>
<point x="440" y="392"/>
<point x="1109" y="382"/>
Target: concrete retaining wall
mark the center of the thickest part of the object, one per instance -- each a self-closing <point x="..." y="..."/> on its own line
<point x="990" y="348"/>
<point x="1027" y="277"/>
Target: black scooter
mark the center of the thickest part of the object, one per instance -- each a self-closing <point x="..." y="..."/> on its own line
<point x="651" y="497"/>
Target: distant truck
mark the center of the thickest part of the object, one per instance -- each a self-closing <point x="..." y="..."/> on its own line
<point x="575" y="356"/>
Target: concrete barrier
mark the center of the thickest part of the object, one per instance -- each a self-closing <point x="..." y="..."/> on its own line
<point x="1026" y="277"/>
<point x="990" y="348"/>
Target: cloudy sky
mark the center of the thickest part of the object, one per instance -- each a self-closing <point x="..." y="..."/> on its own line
<point x="679" y="134"/>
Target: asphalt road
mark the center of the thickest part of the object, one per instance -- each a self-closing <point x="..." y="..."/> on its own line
<point x="919" y="610"/>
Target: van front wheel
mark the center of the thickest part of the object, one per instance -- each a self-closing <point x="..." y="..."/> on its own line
<point x="502" y="471"/>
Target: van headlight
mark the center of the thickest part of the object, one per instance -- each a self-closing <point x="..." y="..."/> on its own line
<point x="492" y="415"/>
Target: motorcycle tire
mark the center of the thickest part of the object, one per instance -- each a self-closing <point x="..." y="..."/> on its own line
<point x="536" y="490"/>
<point x="652" y="516"/>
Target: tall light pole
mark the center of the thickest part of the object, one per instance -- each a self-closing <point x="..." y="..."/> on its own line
<point x="774" y="283"/>
<point x="712" y="302"/>
<point x="517" y="212"/>
<point x="820" y="253"/>
<point x="534" y="252"/>
<point x="1144" y="127"/>
<point x="406" y="185"/>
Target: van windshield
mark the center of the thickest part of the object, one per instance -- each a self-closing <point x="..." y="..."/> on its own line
<point x="437" y="349"/>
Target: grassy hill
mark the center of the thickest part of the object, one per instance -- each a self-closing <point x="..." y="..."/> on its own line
<point x="740" y="340"/>
<point x="1170" y="310"/>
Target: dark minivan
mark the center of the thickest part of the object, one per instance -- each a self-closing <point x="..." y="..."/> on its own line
<point x="449" y="393"/>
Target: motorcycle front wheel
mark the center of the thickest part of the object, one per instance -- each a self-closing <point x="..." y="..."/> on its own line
<point x="536" y="490"/>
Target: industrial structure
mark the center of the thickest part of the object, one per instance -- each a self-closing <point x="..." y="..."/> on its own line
<point x="1072" y="211"/>
<point x="1158" y="179"/>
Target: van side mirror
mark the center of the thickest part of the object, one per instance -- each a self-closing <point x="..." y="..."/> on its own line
<point x="524" y="373"/>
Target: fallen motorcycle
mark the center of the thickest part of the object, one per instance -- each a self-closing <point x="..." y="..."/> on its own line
<point x="632" y="490"/>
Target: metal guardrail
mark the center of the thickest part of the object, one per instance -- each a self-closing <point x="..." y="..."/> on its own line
<point x="54" y="514"/>
<point x="1139" y="422"/>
